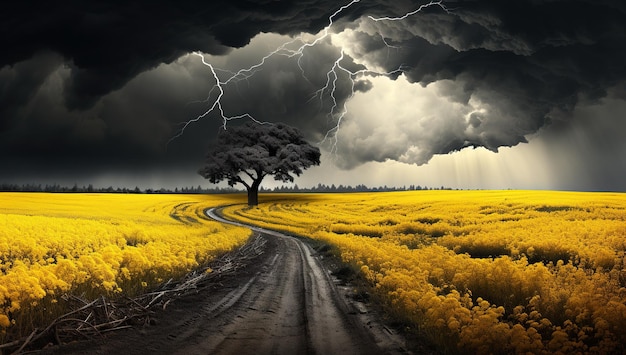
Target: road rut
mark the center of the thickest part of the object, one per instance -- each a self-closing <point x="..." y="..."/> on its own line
<point x="295" y="310"/>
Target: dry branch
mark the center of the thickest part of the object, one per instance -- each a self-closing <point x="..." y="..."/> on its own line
<point x="89" y="319"/>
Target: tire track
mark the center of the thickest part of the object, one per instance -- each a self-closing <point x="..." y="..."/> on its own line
<point x="307" y="294"/>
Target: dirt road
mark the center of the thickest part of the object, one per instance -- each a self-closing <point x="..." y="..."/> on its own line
<point x="284" y="301"/>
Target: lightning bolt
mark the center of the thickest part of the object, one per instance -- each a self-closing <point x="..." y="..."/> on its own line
<point x="332" y="76"/>
<point x="409" y="14"/>
<point x="335" y="114"/>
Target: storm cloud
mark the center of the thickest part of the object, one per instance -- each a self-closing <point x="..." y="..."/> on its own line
<point x="513" y="67"/>
<point x="107" y="43"/>
<point x="100" y="85"/>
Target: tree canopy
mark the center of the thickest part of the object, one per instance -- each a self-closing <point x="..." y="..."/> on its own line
<point x="246" y="154"/>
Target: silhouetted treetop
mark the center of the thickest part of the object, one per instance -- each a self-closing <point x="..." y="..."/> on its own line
<point x="246" y="154"/>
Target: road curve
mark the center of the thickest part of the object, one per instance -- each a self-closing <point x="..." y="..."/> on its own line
<point x="296" y="308"/>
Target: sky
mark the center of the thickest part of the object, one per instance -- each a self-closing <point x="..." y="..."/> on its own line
<point x="483" y="94"/>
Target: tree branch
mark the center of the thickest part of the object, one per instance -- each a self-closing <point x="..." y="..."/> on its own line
<point x="240" y="180"/>
<point x="250" y="175"/>
<point x="260" y="175"/>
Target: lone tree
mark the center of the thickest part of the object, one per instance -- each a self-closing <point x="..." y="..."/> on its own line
<point x="246" y="154"/>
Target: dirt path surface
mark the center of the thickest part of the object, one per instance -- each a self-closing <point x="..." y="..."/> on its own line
<point x="282" y="301"/>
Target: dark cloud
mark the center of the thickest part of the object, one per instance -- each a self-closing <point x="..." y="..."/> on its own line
<point x="107" y="82"/>
<point x="107" y="43"/>
<point x="286" y="90"/>
<point x="20" y="83"/>
<point x="85" y="83"/>
<point x="523" y="61"/>
<point x="129" y="129"/>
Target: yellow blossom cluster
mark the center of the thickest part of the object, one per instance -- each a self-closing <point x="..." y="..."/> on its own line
<point x="93" y="244"/>
<point x="496" y="271"/>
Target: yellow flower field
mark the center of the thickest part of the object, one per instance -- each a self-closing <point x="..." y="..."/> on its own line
<point x="494" y="271"/>
<point x="93" y="244"/>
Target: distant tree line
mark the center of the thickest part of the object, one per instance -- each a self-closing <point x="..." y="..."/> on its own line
<point x="348" y="188"/>
<point x="200" y="190"/>
<point x="91" y="189"/>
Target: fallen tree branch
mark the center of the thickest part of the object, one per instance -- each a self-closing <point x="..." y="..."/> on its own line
<point x="92" y="318"/>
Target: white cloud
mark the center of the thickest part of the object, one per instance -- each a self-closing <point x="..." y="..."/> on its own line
<point x="401" y="121"/>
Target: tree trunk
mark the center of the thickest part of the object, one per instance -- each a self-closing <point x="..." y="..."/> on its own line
<point x="253" y="193"/>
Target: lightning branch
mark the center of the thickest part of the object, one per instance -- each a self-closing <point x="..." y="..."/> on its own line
<point x="295" y="49"/>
